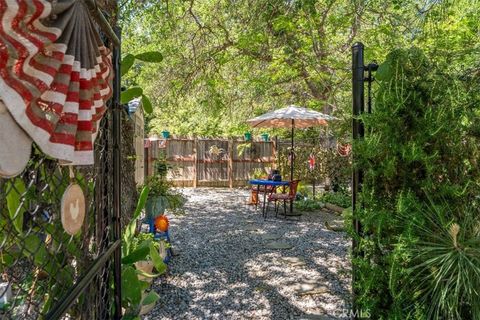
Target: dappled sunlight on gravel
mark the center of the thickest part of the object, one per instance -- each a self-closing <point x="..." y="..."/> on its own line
<point x="224" y="270"/>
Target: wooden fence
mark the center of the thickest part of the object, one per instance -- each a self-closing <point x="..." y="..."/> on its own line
<point x="210" y="162"/>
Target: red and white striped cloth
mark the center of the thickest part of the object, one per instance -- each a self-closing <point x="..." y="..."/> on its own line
<point x="55" y="75"/>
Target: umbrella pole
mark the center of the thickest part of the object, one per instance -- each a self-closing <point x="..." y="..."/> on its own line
<point x="291" y="152"/>
<point x="292" y="155"/>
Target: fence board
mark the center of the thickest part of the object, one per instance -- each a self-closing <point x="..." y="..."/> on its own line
<point x="212" y="162"/>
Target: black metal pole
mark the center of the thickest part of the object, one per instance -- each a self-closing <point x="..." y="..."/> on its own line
<point x="291" y="152"/>
<point x="292" y="159"/>
<point x="117" y="182"/>
<point x="66" y="302"/>
<point x="358" y="132"/>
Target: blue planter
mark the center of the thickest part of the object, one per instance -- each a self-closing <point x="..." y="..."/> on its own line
<point x="248" y="136"/>
<point x="165" y="134"/>
<point x="156" y="206"/>
<point x="265" y="137"/>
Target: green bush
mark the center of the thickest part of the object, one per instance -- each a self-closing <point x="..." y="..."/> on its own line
<point x="308" y="205"/>
<point x="340" y="199"/>
<point x="418" y="257"/>
<point x="329" y="164"/>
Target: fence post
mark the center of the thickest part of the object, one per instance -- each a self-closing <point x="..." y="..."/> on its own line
<point x="117" y="187"/>
<point x="230" y="163"/>
<point x="195" y="162"/>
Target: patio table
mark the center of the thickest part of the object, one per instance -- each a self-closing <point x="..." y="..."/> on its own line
<point x="261" y="182"/>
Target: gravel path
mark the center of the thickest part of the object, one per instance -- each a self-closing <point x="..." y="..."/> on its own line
<point x="225" y="270"/>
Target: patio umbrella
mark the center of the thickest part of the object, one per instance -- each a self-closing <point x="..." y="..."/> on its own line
<point x="291" y="117"/>
<point x="55" y="75"/>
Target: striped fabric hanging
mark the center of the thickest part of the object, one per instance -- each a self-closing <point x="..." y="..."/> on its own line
<point x="55" y="75"/>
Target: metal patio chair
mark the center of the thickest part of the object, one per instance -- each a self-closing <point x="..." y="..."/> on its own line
<point x="288" y="196"/>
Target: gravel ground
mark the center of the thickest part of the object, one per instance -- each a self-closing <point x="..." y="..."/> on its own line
<point x="223" y="268"/>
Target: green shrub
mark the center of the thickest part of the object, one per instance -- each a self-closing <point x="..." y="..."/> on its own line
<point x="328" y="165"/>
<point x="308" y="205"/>
<point x="340" y="199"/>
<point x="420" y="193"/>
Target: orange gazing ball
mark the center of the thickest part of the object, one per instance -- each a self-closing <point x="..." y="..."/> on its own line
<point x="161" y="223"/>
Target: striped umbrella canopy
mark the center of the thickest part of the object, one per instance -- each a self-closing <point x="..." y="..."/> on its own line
<point x="55" y="75"/>
<point x="291" y="117"/>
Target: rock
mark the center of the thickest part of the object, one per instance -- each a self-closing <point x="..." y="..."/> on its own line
<point x="334" y="208"/>
<point x="294" y="261"/>
<point x="278" y="245"/>
<point x="270" y="236"/>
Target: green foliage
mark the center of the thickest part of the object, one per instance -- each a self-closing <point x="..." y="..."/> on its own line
<point x="37" y="244"/>
<point x="131" y="287"/>
<point x="151" y="297"/>
<point x="340" y="199"/>
<point x="158" y="186"/>
<point x="329" y="165"/>
<point x="242" y="148"/>
<point x="309" y="205"/>
<point x="135" y="248"/>
<point x="127" y="63"/>
<point x="419" y="201"/>
<point x="161" y="194"/>
<point x="16" y="208"/>
<point x="150" y="56"/>
<point x="135" y="91"/>
<point x="130" y="94"/>
<point x="258" y="173"/>
<point x="225" y="62"/>
<point x="130" y="229"/>
<point x="147" y="105"/>
<point x="136" y="255"/>
<point x="445" y="261"/>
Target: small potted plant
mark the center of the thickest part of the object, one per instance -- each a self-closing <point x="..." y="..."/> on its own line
<point x="165" y="134"/>
<point x="157" y="200"/>
<point x="265" y="137"/>
<point x="161" y="196"/>
<point x="141" y="261"/>
<point x="248" y="136"/>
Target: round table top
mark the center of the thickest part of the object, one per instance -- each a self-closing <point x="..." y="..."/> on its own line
<point x="268" y="182"/>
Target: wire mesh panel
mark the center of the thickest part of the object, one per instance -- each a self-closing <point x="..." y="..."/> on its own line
<point x="39" y="261"/>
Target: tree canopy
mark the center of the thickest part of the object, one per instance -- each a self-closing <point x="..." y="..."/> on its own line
<point x="226" y="61"/>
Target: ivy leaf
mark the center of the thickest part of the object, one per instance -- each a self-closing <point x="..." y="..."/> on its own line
<point x="150" y="56"/>
<point x="147" y="105"/>
<point x="137" y="255"/>
<point x="141" y="202"/>
<point x="160" y="266"/>
<point x="14" y="203"/>
<point x="126" y="63"/>
<point x="151" y="297"/>
<point x="131" y="286"/>
<point x="36" y="249"/>
<point x="130" y="93"/>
